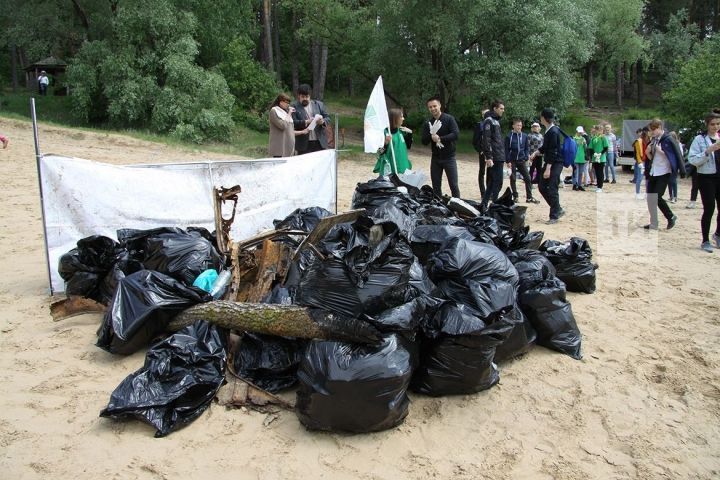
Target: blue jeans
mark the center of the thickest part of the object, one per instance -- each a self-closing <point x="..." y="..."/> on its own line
<point x="610" y="166"/>
<point x="580" y="170"/>
<point x="672" y="186"/>
<point x="637" y="177"/>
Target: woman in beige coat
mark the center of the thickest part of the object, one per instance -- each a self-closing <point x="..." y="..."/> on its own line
<point x="282" y="131"/>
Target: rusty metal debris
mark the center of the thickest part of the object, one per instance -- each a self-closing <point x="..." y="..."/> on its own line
<point x="222" y="225"/>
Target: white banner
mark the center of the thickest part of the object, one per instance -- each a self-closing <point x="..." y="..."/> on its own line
<point x="376" y="119"/>
<point x="83" y="198"/>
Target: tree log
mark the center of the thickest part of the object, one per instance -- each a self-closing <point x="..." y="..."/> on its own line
<point x="279" y="320"/>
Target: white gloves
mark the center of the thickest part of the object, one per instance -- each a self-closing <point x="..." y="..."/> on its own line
<point x="434" y="128"/>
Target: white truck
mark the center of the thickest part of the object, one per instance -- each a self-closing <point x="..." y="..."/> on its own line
<point x="627" y="154"/>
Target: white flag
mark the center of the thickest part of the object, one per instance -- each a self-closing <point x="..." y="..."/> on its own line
<point x="376" y="119"/>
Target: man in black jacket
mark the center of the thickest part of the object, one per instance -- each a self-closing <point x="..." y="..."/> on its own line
<point x="443" y="147"/>
<point x="549" y="175"/>
<point x="494" y="151"/>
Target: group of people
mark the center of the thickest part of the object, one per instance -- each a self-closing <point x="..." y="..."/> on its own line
<point x="298" y="127"/>
<point x="600" y="149"/>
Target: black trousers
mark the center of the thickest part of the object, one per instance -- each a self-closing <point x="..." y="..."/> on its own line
<point x="522" y="168"/>
<point x="449" y="166"/>
<point x="535" y="168"/>
<point x="549" y="187"/>
<point x="495" y="181"/>
<point x="710" y="195"/>
<point x="694" y="187"/>
<point x="482" y="181"/>
<point x="599" y="169"/>
<point x="658" y="185"/>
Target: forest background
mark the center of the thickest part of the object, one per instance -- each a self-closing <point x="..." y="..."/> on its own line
<point x="206" y="72"/>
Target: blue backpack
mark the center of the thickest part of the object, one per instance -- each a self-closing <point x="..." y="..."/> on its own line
<point x="568" y="150"/>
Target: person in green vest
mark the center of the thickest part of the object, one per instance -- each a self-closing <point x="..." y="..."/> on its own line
<point x="580" y="160"/>
<point x="401" y="138"/>
<point x="598" y="146"/>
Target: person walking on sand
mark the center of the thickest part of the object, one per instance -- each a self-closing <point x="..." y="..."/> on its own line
<point x="5" y="141"/>
<point x="665" y="159"/>
<point x="639" y="149"/>
<point x="705" y="156"/>
<point x="612" y="153"/>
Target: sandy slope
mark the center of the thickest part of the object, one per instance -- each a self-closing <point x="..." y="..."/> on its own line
<point x="643" y="403"/>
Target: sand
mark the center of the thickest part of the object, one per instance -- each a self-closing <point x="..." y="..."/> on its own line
<point x="643" y="403"/>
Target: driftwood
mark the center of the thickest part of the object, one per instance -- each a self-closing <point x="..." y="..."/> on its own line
<point x="279" y="320"/>
<point x="74" y="305"/>
<point x="271" y="263"/>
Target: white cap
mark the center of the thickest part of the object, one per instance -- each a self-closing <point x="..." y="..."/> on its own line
<point x="580" y="129"/>
<point x="535" y="124"/>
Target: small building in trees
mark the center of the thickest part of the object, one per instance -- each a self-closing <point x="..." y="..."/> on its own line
<point x="55" y="69"/>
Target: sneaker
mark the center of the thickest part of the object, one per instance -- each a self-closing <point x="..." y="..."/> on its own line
<point x="598" y="190"/>
<point x="552" y="221"/>
<point x="561" y="213"/>
<point x="706" y="246"/>
<point x="671" y="222"/>
<point x="639" y="196"/>
<point x="650" y="226"/>
<point x="575" y="187"/>
<point x="690" y="204"/>
<point x="532" y="200"/>
<point x="673" y="200"/>
<point x="716" y="239"/>
<point x="613" y="181"/>
<point x="581" y="189"/>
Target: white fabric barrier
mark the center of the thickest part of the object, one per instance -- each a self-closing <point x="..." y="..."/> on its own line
<point x="83" y="198"/>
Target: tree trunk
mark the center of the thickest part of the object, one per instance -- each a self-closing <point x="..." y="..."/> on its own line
<point x="315" y="60"/>
<point x="83" y="18"/>
<point x="350" y="87"/>
<point x="276" y="38"/>
<point x="13" y="67"/>
<point x="589" y="87"/>
<point x="639" y="77"/>
<point x="319" y="84"/>
<point x="279" y="320"/>
<point x="619" y="85"/>
<point x="294" y="69"/>
<point x="267" y="36"/>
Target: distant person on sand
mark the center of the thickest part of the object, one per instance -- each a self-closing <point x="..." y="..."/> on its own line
<point x="43" y="82"/>
<point x="5" y="141"/>
<point x="494" y="151"/>
<point x="516" y="154"/>
<point x="550" y="172"/>
<point x="639" y="149"/>
<point x="705" y="155"/>
<point x="282" y="131"/>
<point x="394" y="158"/>
<point x="535" y="140"/>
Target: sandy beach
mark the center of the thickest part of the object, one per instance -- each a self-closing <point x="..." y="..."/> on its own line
<point x="643" y="403"/>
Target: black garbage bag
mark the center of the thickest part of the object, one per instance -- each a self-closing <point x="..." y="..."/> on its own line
<point x="509" y="215"/>
<point x="392" y="211"/>
<point x="143" y="305"/>
<point x="268" y="361"/>
<point x="521" y="338"/>
<point x="366" y="270"/>
<point x="456" y="354"/>
<point x="530" y="241"/>
<point x="573" y="263"/>
<point x="123" y="267"/>
<point x="486" y="230"/>
<point x="404" y="319"/>
<point x="427" y="239"/>
<point x="533" y="268"/>
<point x="475" y="274"/>
<point x="180" y="378"/>
<point x="84" y="268"/>
<point x="372" y="194"/>
<point x="551" y="315"/>
<point x="305" y="219"/>
<point x="420" y="280"/>
<point x="355" y="388"/>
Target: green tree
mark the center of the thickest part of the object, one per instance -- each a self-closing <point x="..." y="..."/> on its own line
<point x="145" y="75"/>
<point x="672" y="47"/>
<point x="696" y="89"/>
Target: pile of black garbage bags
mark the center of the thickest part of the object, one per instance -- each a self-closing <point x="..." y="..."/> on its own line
<point x="447" y="292"/>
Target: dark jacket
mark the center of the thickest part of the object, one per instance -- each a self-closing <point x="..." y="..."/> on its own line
<point x="299" y="117"/>
<point x="492" y="141"/>
<point x="448" y="133"/>
<point x="552" y="142"/>
<point x="672" y="151"/>
<point x="516" y="147"/>
<point x="477" y="138"/>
